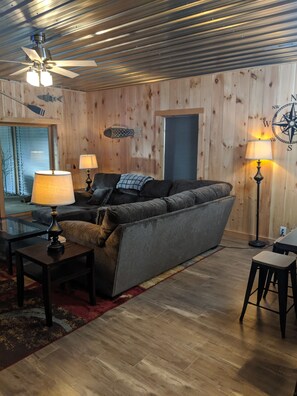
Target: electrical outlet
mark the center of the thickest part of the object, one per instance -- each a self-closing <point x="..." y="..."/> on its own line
<point x="282" y="230"/>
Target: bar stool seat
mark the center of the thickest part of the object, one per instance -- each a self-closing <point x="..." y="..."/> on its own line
<point x="282" y="266"/>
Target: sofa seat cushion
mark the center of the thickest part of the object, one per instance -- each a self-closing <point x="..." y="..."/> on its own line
<point x="156" y="189"/>
<point x="179" y="201"/>
<point x="70" y="212"/>
<point x="129" y="213"/>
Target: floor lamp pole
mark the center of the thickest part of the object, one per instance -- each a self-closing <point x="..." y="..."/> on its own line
<point x="258" y="178"/>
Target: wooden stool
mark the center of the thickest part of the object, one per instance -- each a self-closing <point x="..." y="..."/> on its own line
<point x="281" y="265"/>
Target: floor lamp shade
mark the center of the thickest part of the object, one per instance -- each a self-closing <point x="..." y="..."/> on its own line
<point x="258" y="150"/>
<point x="53" y="188"/>
<point x="88" y="161"/>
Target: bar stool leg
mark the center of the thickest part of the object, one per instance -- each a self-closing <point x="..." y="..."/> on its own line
<point x="282" y="299"/>
<point x="262" y="281"/>
<point x="252" y="275"/>
<point x="269" y="278"/>
<point x="294" y="286"/>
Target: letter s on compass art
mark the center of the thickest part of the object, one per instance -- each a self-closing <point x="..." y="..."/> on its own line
<point x="284" y="124"/>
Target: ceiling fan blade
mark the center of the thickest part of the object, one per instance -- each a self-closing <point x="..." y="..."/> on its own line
<point x="82" y="63"/>
<point x="32" y="54"/>
<point x="19" y="63"/>
<point x="63" y="72"/>
<point x="19" y="71"/>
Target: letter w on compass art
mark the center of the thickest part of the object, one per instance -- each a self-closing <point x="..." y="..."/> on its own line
<point x="284" y="124"/>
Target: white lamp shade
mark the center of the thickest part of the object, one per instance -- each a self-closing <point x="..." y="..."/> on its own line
<point x="52" y="188"/>
<point x="32" y="78"/>
<point x="259" y="150"/>
<point x="46" y="78"/>
<point x="88" y="161"/>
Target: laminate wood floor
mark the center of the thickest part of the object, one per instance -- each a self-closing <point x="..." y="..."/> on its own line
<point x="182" y="337"/>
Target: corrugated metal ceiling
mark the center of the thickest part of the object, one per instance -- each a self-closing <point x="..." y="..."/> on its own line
<point x="138" y="41"/>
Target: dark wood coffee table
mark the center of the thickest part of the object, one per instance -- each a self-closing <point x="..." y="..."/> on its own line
<point x="18" y="231"/>
<point x="58" y="268"/>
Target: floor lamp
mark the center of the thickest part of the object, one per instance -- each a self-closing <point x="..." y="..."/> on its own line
<point x="258" y="150"/>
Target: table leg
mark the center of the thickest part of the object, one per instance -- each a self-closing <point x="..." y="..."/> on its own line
<point x="47" y="300"/>
<point x="91" y="278"/>
<point x="8" y="255"/>
<point x="20" y="279"/>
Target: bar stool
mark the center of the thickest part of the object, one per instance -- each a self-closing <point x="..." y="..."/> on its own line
<point x="281" y="265"/>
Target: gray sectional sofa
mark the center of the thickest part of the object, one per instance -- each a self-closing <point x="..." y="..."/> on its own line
<point x="137" y="235"/>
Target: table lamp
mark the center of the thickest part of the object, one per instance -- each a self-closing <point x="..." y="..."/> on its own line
<point x="53" y="188"/>
<point x="88" y="161"/>
<point x="258" y="150"/>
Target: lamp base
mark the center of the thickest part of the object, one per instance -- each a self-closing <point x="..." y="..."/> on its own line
<point x="257" y="243"/>
<point x="55" y="247"/>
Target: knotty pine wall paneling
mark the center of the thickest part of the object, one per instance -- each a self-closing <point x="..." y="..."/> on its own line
<point x="237" y="106"/>
<point x="68" y="111"/>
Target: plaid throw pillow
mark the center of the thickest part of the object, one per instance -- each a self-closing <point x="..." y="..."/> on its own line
<point x="132" y="181"/>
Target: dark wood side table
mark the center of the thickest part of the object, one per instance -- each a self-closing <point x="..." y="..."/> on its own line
<point x="49" y="269"/>
<point x="18" y="231"/>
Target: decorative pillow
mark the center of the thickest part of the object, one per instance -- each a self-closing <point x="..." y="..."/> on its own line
<point x="132" y="181"/>
<point x="100" y="196"/>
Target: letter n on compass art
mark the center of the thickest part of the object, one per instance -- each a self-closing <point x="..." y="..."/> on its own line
<point x="284" y="124"/>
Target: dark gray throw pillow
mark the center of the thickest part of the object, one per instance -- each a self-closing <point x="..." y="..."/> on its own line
<point x="100" y="196"/>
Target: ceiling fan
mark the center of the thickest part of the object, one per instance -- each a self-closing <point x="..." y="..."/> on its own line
<point x="39" y="63"/>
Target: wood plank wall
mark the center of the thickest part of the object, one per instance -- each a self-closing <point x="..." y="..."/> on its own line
<point x="237" y="106"/>
<point x="67" y="110"/>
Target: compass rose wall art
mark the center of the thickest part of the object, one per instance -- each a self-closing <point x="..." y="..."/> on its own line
<point x="284" y="123"/>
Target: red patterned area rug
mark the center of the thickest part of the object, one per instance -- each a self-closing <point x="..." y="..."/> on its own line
<point x="23" y="330"/>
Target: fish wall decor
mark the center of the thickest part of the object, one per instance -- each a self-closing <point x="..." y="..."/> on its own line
<point x="120" y="131"/>
<point x="50" y="98"/>
<point x="36" y="109"/>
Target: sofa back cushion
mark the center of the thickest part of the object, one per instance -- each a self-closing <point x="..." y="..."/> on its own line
<point x="179" y="201"/>
<point x="105" y="180"/>
<point x="212" y="192"/>
<point x="128" y="213"/>
<point x="156" y="189"/>
<point x="183" y="185"/>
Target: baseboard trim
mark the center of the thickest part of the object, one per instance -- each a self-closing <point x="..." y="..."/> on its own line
<point x="244" y="236"/>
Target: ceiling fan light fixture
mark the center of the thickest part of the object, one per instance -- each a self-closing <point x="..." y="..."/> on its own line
<point x="46" y="78"/>
<point x="32" y="77"/>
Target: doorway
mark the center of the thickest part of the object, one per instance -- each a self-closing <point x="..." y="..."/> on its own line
<point x="181" y="147"/>
<point x="23" y="149"/>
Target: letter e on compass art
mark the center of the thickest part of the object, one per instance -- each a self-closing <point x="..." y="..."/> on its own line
<point x="284" y="124"/>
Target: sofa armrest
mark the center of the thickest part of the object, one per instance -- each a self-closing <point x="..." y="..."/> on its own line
<point x="81" y="232"/>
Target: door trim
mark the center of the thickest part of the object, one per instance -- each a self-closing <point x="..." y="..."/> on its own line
<point x="160" y="126"/>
